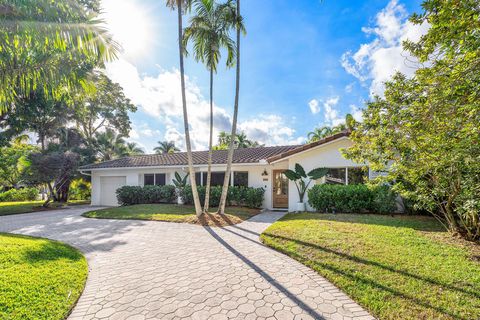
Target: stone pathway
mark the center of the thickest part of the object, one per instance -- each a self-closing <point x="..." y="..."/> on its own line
<point x="159" y="270"/>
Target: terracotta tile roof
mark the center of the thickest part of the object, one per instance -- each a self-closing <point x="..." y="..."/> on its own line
<point x="246" y="155"/>
<point x="308" y="146"/>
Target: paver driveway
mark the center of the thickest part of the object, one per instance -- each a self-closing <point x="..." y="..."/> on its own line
<point x="159" y="270"/>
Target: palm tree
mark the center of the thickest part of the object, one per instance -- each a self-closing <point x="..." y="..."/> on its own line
<point x="166" y="147"/>
<point x="319" y="133"/>
<point x="179" y="5"/>
<point x="110" y="145"/>
<point x="209" y="32"/>
<point x="133" y="149"/>
<point x="223" y="198"/>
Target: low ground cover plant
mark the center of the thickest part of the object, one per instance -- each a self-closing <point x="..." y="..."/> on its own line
<point x="352" y="198"/>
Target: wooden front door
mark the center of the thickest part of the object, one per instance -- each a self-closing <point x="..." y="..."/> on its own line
<point x="280" y="189"/>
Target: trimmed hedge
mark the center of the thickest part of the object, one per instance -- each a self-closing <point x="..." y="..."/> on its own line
<point x="352" y="198"/>
<point x="237" y="196"/>
<point x="25" y="194"/>
<point x="129" y="195"/>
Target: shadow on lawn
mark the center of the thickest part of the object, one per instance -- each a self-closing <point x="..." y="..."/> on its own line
<point x="264" y="275"/>
<point x="419" y="223"/>
<point x="357" y="277"/>
<point x="51" y="251"/>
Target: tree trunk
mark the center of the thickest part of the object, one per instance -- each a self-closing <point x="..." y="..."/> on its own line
<point x="210" y="146"/>
<point x="193" y="183"/>
<point x="223" y="198"/>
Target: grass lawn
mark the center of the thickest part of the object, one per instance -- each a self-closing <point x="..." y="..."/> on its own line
<point x="39" y="278"/>
<point x="173" y="213"/>
<point x="7" y="208"/>
<point x="400" y="267"/>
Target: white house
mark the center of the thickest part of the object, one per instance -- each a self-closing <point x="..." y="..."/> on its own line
<point x="252" y="167"/>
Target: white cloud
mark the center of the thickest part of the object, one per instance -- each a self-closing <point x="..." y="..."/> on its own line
<point x="356" y="112"/>
<point x="160" y="98"/>
<point x="378" y="60"/>
<point x="349" y="87"/>
<point x="330" y="112"/>
<point x="314" y="108"/>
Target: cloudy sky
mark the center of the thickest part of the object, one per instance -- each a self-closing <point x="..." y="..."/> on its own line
<point x="305" y="64"/>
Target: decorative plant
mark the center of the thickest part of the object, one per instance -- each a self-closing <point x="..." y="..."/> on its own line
<point x="180" y="183"/>
<point x="302" y="180"/>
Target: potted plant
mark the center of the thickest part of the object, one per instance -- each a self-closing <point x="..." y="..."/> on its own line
<point x="180" y="184"/>
<point x="302" y="181"/>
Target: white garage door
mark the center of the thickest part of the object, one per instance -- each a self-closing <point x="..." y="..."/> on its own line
<point x="108" y="186"/>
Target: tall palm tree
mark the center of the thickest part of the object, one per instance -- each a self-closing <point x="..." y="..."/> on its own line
<point x="319" y="133"/>
<point x="209" y="31"/>
<point x="240" y="28"/>
<point x="166" y="147"/>
<point x="110" y="145"/>
<point x="133" y="149"/>
<point x="181" y="6"/>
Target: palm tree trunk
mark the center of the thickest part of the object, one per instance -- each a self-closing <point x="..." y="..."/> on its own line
<point x="210" y="146"/>
<point x="193" y="183"/>
<point x="223" y="198"/>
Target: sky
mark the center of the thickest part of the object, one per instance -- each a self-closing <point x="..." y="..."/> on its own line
<point x="305" y="64"/>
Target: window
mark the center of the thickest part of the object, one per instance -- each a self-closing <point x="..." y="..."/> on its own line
<point x="216" y="178"/>
<point x="158" y="179"/>
<point x="357" y="175"/>
<point x="240" y="179"/>
<point x="149" y="180"/>
<point x="335" y="176"/>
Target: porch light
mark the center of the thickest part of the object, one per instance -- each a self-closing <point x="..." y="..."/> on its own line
<point x="264" y="173"/>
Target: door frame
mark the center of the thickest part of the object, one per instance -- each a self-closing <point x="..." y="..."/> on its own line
<point x="273" y="190"/>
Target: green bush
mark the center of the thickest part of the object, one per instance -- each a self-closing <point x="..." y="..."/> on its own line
<point x="351" y="198"/>
<point x="80" y="190"/>
<point x="25" y="194"/>
<point x="129" y="195"/>
<point x="237" y="196"/>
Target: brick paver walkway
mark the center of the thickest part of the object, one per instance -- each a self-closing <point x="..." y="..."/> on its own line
<point x="157" y="270"/>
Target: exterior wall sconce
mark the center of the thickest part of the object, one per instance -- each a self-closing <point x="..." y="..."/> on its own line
<point x="264" y="173"/>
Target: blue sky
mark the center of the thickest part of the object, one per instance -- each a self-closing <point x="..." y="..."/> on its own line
<point x="304" y="64"/>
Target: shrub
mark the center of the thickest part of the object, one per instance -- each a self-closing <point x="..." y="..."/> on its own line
<point x="238" y="196"/>
<point x="80" y="190"/>
<point x="25" y="194"/>
<point x="129" y="195"/>
<point x="352" y="198"/>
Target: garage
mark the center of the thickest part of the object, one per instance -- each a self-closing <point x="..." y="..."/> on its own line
<point x="108" y="187"/>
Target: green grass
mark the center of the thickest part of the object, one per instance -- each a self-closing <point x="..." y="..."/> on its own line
<point x="7" y="208"/>
<point x="39" y="278"/>
<point x="170" y="213"/>
<point x="401" y="267"/>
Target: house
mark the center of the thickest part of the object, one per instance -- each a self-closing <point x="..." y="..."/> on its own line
<point x="252" y="167"/>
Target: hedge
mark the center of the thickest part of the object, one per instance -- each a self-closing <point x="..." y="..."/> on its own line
<point x="129" y="195"/>
<point x="25" y="194"/>
<point x="237" y="196"/>
<point x="352" y="198"/>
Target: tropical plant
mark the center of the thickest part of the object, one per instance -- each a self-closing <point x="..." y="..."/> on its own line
<point x="209" y="30"/>
<point x="299" y="177"/>
<point x="50" y="45"/>
<point x="132" y="149"/>
<point x="109" y="145"/>
<point x="180" y="183"/>
<point x="181" y="6"/>
<point x="425" y="131"/>
<point x="241" y="141"/>
<point x="166" y="147"/>
<point x="239" y="29"/>
<point x="325" y="131"/>
<point x="13" y="163"/>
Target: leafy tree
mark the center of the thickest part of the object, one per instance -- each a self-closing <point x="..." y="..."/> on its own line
<point x="13" y="162"/>
<point x="325" y="131"/>
<point x="49" y="45"/>
<point x="181" y="6"/>
<point x="209" y="30"/>
<point x="110" y="145"/>
<point x="241" y="141"/>
<point x="132" y="149"/>
<point x="166" y="147"/>
<point x="104" y="107"/>
<point x="426" y="130"/>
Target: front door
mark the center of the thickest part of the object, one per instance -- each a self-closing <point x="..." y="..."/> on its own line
<point x="280" y="189"/>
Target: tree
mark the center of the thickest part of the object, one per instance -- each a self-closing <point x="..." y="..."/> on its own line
<point x="103" y="107"/>
<point x="425" y="131"/>
<point x="209" y="30"/>
<point x="132" y="149"/>
<point x="110" y="145"/>
<point x="325" y="131"/>
<point x="13" y="162"/>
<point x="182" y="5"/>
<point x="241" y="141"/>
<point x="166" y="147"/>
<point x="240" y="28"/>
<point x="49" y="45"/>
<point x="299" y="176"/>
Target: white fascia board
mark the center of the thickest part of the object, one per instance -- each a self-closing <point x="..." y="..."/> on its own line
<point x="170" y="167"/>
